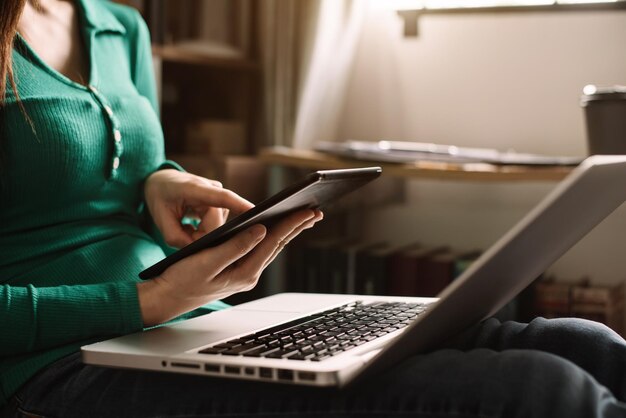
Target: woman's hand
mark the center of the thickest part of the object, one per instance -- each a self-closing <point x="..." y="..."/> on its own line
<point x="172" y="195"/>
<point x="220" y="271"/>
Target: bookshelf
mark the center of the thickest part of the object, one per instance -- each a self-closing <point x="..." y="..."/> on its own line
<point x="209" y="72"/>
<point x="297" y="158"/>
<point x="209" y="77"/>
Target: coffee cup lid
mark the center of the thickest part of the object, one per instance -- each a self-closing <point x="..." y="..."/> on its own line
<point x="592" y="93"/>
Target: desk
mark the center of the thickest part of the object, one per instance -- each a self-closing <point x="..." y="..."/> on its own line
<point x="297" y="158"/>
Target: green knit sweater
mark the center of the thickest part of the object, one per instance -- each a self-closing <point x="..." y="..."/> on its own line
<point x="71" y="236"/>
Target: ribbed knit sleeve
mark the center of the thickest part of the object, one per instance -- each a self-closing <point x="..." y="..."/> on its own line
<point x="36" y="318"/>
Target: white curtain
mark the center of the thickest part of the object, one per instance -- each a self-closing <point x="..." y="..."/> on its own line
<point x="285" y="38"/>
<point x="320" y="104"/>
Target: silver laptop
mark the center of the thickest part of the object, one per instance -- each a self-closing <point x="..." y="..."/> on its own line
<point x="333" y="340"/>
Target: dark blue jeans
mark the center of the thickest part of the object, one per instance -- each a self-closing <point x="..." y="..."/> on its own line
<point x="548" y="368"/>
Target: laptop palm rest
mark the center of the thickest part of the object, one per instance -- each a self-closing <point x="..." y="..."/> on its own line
<point x="217" y="326"/>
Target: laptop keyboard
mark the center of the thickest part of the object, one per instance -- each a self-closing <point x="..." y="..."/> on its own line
<point x="325" y="334"/>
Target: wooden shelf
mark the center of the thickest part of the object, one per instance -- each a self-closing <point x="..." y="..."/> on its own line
<point x="419" y="170"/>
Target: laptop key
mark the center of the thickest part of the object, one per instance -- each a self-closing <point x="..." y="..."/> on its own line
<point x="212" y="350"/>
<point x="269" y="351"/>
<point x="307" y="349"/>
<point x="288" y="325"/>
<point x="255" y="353"/>
<point x="273" y="344"/>
<point x="286" y="339"/>
<point x="225" y="345"/>
<point x="242" y="340"/>
<point x="320" y="358"/>
<point x="281" y="353"/>
<point x="240" y="349"/>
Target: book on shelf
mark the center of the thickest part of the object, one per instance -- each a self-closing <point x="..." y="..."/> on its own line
<point x="552" y="299"/>
<point x="341" y="265"/>
<point x="401" y="269"/>
<point x="340" y="262"/>
<point x="294" y="266"/>
<point x="463" y="261"/>
<point x="600" y="303"/>
<point x="337" y="265"/>
<point x="348" y="257"/>
<point x="320" y="260"/>
<point x="408" y="271"/>
<point x="438" y="271"/>
<point x="586" y="294"/>
<point x="429" y="270"/>
<point x="581" y="299"/>
<point x="371" y="268"/>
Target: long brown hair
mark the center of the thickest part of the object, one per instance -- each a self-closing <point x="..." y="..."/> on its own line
<point x="10" y="12"/>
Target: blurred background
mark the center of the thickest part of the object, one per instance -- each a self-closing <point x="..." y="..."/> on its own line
<point x="239" y="76"/>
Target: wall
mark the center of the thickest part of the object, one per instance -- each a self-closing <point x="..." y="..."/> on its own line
<point x="494" y="80"/>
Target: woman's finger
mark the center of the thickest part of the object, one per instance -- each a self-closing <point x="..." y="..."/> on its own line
<point x="174" y="233"/>
<point x="256" y="261"/>
<point x="218" y="258"/>
<point x="211" y="219"/>
<point x="309" y="224"/>
<point x="205" y="194"/>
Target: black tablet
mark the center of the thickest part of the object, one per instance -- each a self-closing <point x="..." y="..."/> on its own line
<point x="313" y="191"/>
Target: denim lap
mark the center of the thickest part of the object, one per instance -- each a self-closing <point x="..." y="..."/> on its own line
<point x="510" y="375"/>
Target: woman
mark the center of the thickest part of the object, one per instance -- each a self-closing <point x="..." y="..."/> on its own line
<point x="83" y="177"/>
